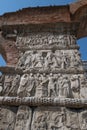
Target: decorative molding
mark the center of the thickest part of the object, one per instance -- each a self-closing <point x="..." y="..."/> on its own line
<point x="15" y="70"/>
<point x="32" y="101"/>
<point x="44" y="47"/>
<point x="54" y="71"/>
<point x="24" y="29"/>
<point x="10" y="70"/>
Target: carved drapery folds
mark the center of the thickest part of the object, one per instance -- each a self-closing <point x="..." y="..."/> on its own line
<point x="49" y="72"/>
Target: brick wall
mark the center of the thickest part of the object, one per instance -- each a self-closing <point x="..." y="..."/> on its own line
<point x="37" y="15"/>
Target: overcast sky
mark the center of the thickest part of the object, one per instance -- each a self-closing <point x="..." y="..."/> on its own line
<point x="14" y="5"/>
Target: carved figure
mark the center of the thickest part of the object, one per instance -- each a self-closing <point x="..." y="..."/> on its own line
<point x="51" y="60"/>
<point x="28" y="60"/>
<point x="38" y="79"/>
<point x="51" y="86"/>
<point x="72" y="121"/>
<point x="21" y="61"/>
<point x="7" y="118"/>
<point x="23" y="118"/>
<point x="41" y="88"/>
<point x="83" y="88"/>
<point x="57" y="121"/>
<point x="22" y="87"/>
<point x="55" y="62"/>
<point x="15" y="85"/>
<point x="58" y="82"/>
<point x="75" y="60"/>
<point x="58" y="58"/>
<point x="30" y="86"/>
<point x="48" y="59"/>
<point x="39" y="60"/>
<point x="7" y="84"/>
<point x="75" y="86"/>
<point x="64" y="62"/>
<point x="41" y="123"/>
<point x="64" y="88"/>
<point x="83" y="120"/>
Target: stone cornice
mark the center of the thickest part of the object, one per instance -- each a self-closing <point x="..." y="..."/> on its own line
<point x="10" y="31"/>
<point x="50" y="14"/>
<point x="10" y="70"/>
<point x="20" y="71"/>
<point x="44" y="47"/>
<point x="77" y="5"/>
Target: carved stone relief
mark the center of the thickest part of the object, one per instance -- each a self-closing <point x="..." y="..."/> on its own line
<point x="50" y="59"/>
<point x="50" y="85"/>
<point x="15" y="86"/>
<point x="1" y="84"/>
<point x="7" y="118"/>
<point x="72" y="120"/>
<point x="43" y="39"/>
<point x="40" y="84"/>
<point x="7" y="84"/>
<point x="48" y="119"/>
<point x="23" y="118"/>
<point x="45" y="85"/>
<point x="83" y="89"/>
<point x="26" y="86"/>
<point x="83" y="119"/>
<point x="10" y="85"/>
<point x="75" y="86"/>
<point x="54" y="118"/>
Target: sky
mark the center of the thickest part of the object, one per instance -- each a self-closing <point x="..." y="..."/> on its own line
<point x="14" y="5"/>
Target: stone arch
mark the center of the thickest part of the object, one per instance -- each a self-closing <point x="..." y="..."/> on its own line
<point x="81" y="16"/>
<point x="78" y="12"/>
<point x="77" y="5"/>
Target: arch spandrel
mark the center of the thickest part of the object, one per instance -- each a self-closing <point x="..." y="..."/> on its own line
<point x="75" y="6"/>
<point x="78" y="12"/>
<point x="81" y="16"/>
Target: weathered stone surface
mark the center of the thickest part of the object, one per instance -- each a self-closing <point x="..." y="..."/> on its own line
<point x="38" y="101"/>
<point x="54" y="118"/>
<point x="37" y="15"/>
<point x="47" y="119"/>
<point x="62" y="59"/>
<point x="23" y="118"/>
<point x="45" y="69"/>
<point x="7" y="118"/>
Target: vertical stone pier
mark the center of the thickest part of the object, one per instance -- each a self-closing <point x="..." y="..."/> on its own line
<point x="46" y="88"/>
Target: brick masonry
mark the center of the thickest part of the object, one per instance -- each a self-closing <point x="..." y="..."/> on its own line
<point x="38" y="15"/>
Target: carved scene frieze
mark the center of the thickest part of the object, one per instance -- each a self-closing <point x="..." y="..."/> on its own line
<point x="41" y="40"/>
<point x="50" y="59"/>
<point x="45" y="85"/>
<point x="59" y="118"/>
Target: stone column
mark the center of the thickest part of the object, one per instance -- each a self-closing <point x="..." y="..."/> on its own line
<point x="50" y="59"/>
<point x="51" y="69"/>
